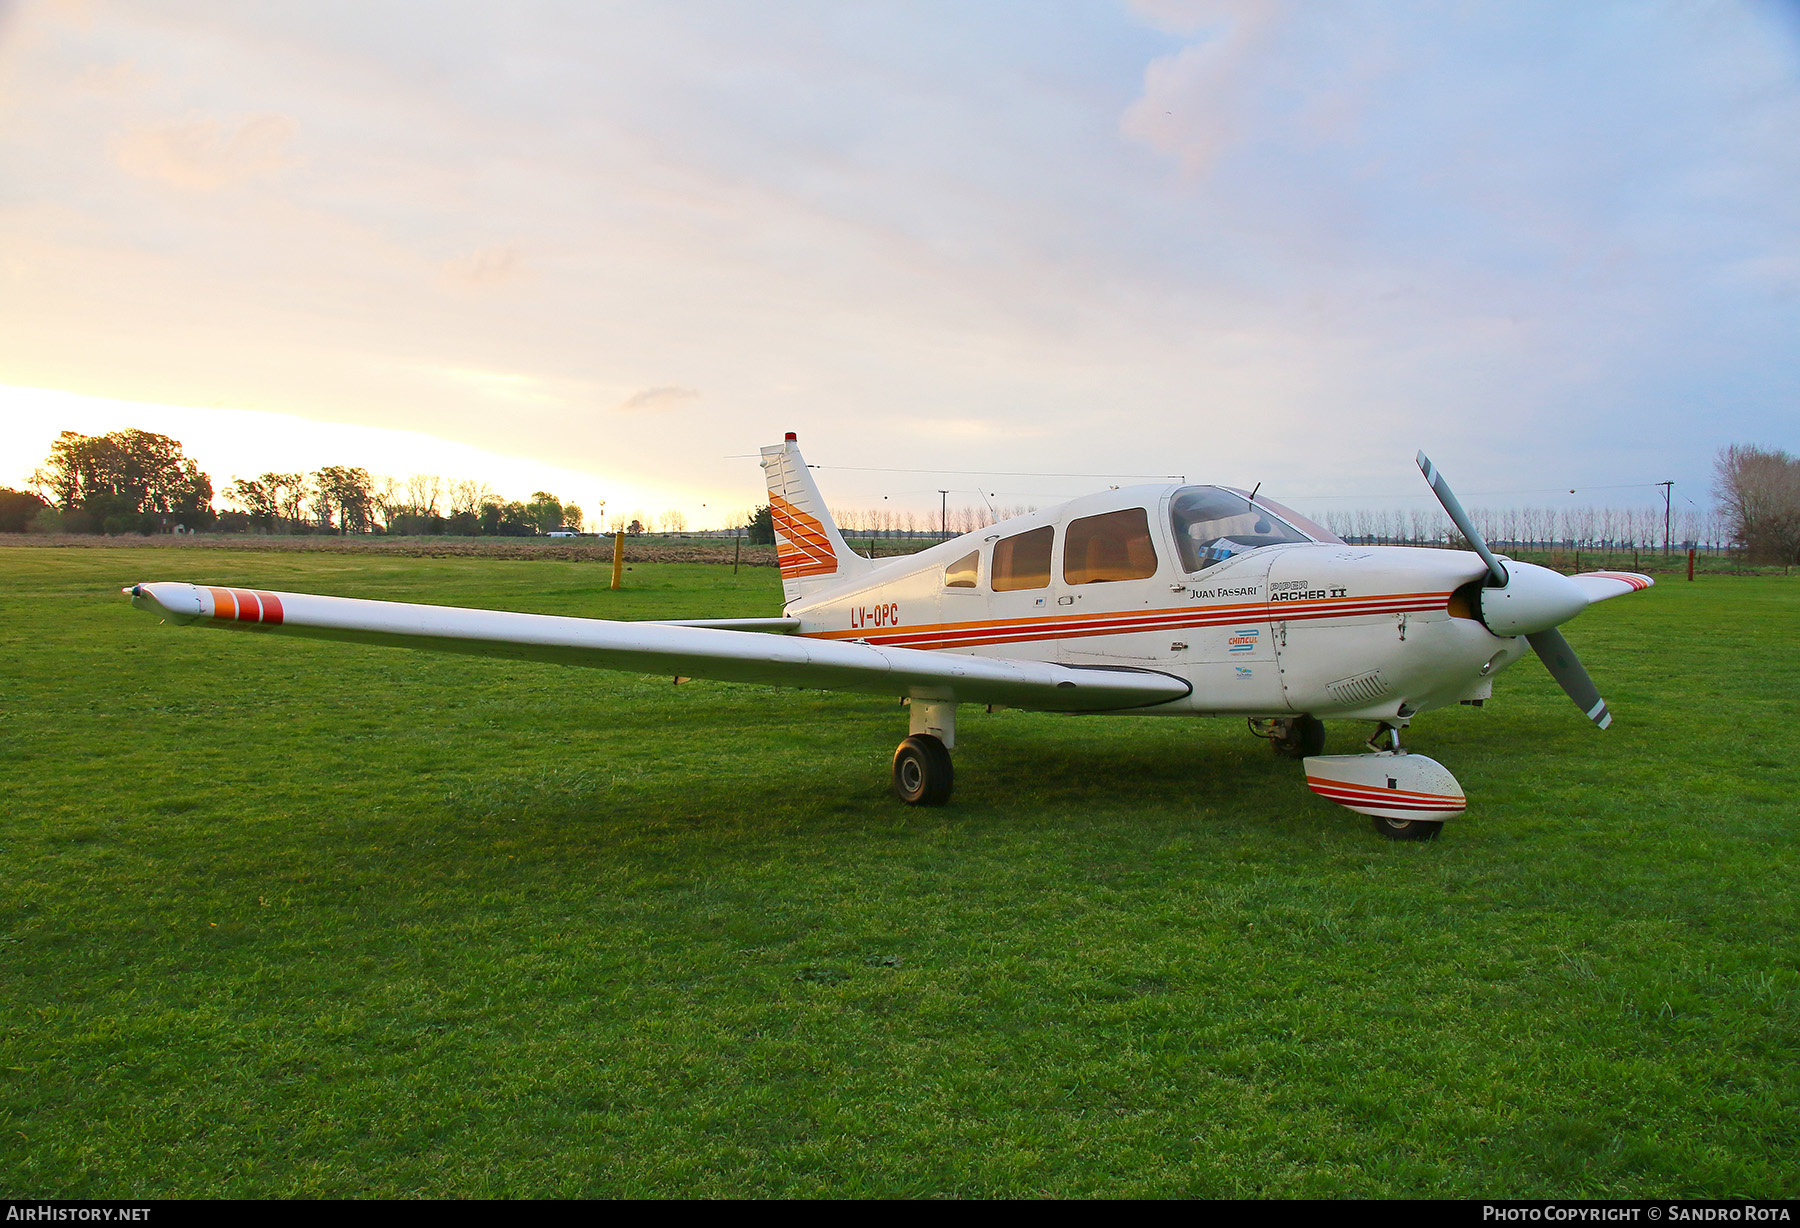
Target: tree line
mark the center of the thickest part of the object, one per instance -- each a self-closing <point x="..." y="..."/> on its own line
<point x="343" y="500"/>
<point x="1756" y="511"/>
<point x="138" y="482"/>
<point x="1534" y="528"/>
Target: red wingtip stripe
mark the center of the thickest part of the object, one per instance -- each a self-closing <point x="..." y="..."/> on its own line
<point x="246" y="605"/>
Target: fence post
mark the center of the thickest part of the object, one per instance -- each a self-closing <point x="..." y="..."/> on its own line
<point x="1690" y="562"/>
<point x="618" y="558"/>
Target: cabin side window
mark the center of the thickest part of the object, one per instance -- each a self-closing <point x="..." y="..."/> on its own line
<point x="964" y="572"/>
<point x="1113" y="546"/>
<point x="1023" y="561"/>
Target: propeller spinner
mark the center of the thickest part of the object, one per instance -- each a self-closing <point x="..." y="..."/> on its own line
<point x="1525" y="599"/>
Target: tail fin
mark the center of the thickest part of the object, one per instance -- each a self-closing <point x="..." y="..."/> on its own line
<point x="807" y="542"/>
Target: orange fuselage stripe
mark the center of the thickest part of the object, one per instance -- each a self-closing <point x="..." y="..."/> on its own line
<point x="1127" y="622"/>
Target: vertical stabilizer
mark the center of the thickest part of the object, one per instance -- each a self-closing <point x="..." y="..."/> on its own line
<point x="807" y="542"/>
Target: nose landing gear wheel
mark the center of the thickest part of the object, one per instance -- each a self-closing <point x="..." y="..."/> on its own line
<point x="1407" y="829"/>
<point x="922" y="772"/>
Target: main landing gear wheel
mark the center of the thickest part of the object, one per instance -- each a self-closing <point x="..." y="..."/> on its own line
<point x="1302" y="736"/>
<point x="922" y="772"/>
<point x="1407" y="829"/>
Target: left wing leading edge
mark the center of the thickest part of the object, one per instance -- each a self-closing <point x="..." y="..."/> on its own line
<point x="663" y="648"/>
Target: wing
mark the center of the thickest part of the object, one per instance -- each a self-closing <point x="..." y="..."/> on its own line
<point x="661" y="648"/>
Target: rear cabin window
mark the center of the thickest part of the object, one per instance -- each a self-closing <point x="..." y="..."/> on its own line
<point x="963" y="572"/>
<point x="1114" y="546"/>
<point x="1023" y="561"/>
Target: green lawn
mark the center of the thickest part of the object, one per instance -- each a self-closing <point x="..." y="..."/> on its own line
<point x="281" y="918"/>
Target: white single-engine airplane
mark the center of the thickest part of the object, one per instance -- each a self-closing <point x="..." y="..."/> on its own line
<point x="1148" y="600"/>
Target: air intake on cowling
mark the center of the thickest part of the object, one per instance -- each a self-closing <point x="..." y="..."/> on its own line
<point x="1362" y="689"/>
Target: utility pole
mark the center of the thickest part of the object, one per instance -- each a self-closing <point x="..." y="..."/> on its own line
<point x="944" y="515"/>
<point x="1668" y="488"/>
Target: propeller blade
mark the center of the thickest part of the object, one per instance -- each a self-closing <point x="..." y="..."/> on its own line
<point x="1565" y="667"/>
<point x="1464" y="525"/>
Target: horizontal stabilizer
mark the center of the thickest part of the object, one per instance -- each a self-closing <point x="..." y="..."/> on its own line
<point x="660" y="648"/>
<point x="778" y="626"/>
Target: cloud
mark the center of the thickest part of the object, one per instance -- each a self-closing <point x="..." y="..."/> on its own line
<point x="198" y="154"/>
<point x="1285" y="238"/>
<point x="658" y="400"/>
<point x="487" y="268"/>
<point x="1192" y="105"/>
<point x="121" y="78"/>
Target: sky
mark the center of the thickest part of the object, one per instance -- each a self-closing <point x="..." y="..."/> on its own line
<point x="610" y="249"/>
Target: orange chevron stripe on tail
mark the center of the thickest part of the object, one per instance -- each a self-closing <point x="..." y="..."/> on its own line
<point x="801" y="546"/>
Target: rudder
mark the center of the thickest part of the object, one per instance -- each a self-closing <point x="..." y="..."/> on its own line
<point x="807" y="542"/>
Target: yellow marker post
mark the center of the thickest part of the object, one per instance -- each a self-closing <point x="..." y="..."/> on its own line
<point x="618" y="558"/>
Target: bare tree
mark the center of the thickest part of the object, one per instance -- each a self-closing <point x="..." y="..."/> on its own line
<point x="422" y="493"/>
<point x="291" y="491"/>
<point x="386" y="501"/>
<point x="255" y="497"/>
<point x="467" y="495"/>
<point x="1758" y="491"/>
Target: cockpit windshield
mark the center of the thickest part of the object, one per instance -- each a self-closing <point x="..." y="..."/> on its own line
<point x="1212" y="524"/>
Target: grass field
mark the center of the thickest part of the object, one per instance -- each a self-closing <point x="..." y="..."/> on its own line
<point x="283" y="918"/>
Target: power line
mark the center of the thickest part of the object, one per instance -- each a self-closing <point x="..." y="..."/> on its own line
<point x="1487" y="494"/>
<point x="993" y="473"/>
<point x="999" y="473"/>
<point x="1182" y="477"/>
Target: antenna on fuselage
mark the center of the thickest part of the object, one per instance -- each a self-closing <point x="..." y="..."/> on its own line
<point x="1262" y="523"/>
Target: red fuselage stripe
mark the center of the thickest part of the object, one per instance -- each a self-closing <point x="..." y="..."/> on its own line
<point x="1076" y="626"/>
